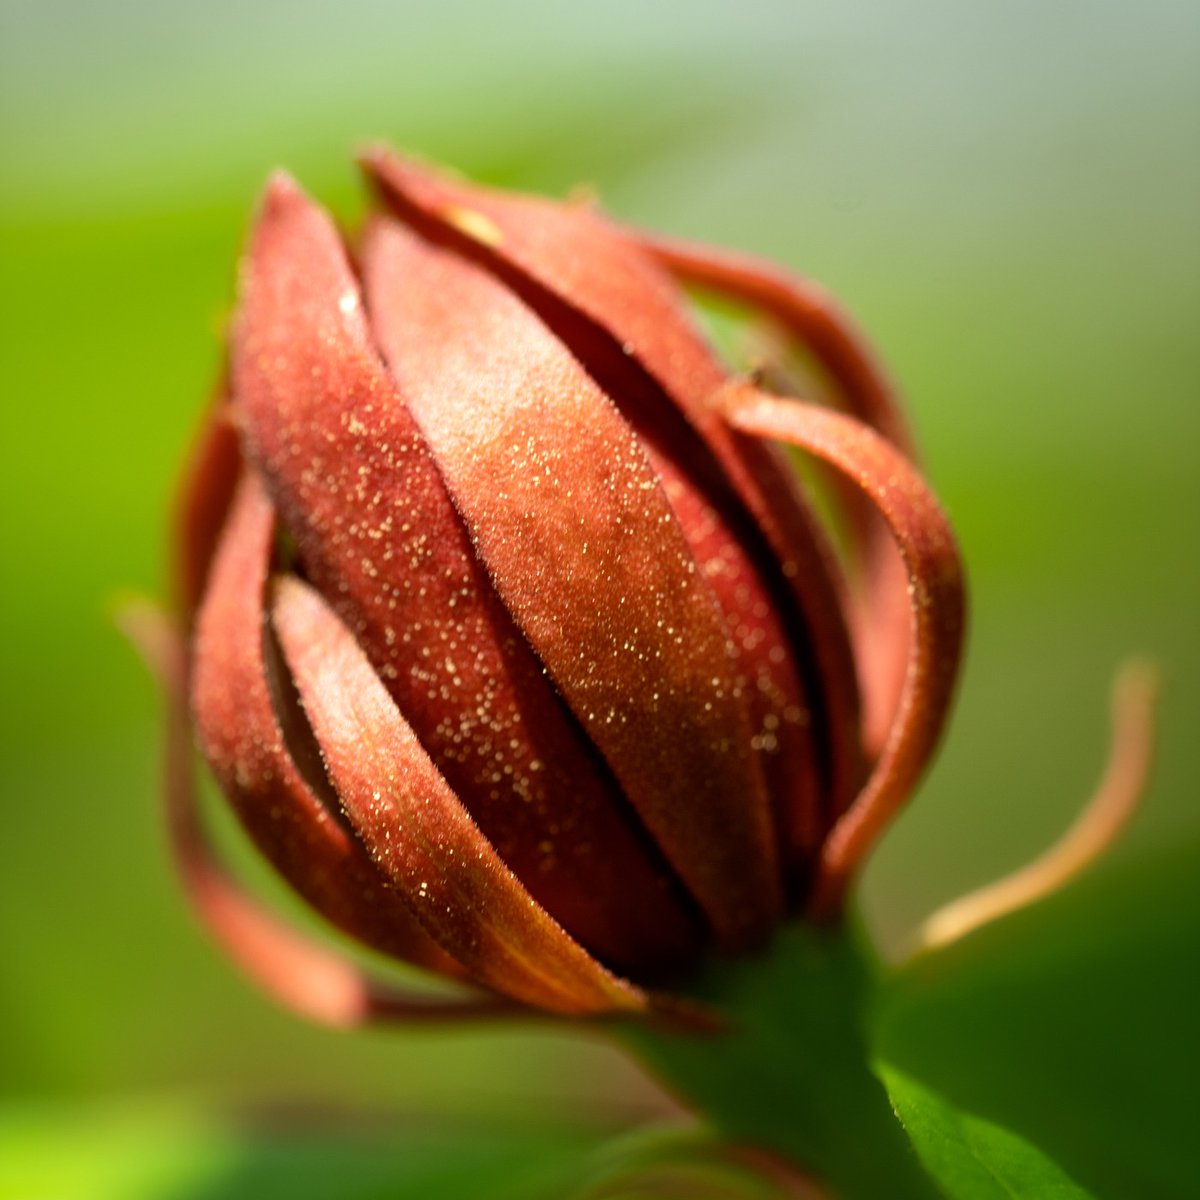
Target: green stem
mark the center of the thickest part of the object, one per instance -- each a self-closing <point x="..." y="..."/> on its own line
<point x="791" y="1072"/>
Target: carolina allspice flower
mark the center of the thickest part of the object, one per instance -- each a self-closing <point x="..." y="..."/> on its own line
<point x="513" y="639"/>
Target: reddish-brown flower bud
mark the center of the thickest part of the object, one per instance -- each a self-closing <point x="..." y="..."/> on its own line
<point x="514" y="641"/>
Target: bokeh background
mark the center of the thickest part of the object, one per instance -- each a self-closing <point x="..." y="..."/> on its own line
<point x="1005" y="194"/>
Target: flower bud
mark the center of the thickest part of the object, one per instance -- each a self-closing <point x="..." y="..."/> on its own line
<point x="515" y="642"/>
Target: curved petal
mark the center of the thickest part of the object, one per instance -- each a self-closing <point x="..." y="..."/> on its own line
<point x="303" y="976"/>
<point x="783" y="725"/>
<point x="804" y="309"/>
<point x="209" y="480"/>
<point x="419" y="833"/>
<point x="1102" y="820"/>
<point x="378" y="534"/>
<point x="937" y="607"/>
<point x="626" y="322"/>
<point x="826" y="330"/>
<point x="577" y="533"/>
<point x="247" y="748"/>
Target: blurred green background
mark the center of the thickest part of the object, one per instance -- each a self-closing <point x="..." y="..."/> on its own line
<point x="1006" y="196"/>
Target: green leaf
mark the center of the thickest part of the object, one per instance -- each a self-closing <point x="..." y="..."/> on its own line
<point x="790" y="1068"/>
<point x="1073" y="1024"/>
<point x="973" y="1159"/>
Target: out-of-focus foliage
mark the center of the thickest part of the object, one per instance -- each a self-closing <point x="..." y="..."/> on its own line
<point x="144" y="1152"/>
<point x="1005" y="195"/>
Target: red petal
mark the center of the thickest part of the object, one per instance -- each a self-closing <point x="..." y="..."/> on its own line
<point x="567" y="513"/>
<point x="209" y="481"/>
<point x="937" y="605"/>
<point x="302" y="975"/>
<point x="820" y="324"/>
<point x="378" y="534"/>
<point x="781" y="718"/>
<point x="807" y="311"/>
<point x="419" y="833"/>
<point x="244" y="744"/>
<point x="624" y="320"/>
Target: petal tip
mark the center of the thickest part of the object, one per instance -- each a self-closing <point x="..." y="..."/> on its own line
<point x="280" y="195"/>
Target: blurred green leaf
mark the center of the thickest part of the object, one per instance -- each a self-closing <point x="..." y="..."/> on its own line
<point x="1073" y="1024"/>
<point x="156" y="1152"/>
<point x="973" y="1159"/>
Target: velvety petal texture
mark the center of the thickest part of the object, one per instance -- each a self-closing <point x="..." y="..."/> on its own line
<point x="376" y="531"/>
<point x="628" y="325"/>
<point x="576" y="530"/>
<point x="512" y="638"/>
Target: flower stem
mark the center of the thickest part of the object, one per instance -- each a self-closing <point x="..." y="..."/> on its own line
<point x="791" y="1072"/>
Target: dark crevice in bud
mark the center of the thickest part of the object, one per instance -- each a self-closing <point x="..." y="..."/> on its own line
<point x="660" y="968"/>
<point x="664" y="966"/>
<point x="573" y="840"/>
<point x="655" y="418"/>
<point x="302" y="745"/>
<point x="606" y="771"/>
<point x="298" y="738"/>
<point x="285" y="554"/>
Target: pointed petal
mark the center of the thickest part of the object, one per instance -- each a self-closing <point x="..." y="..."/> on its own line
<point x="822" y="327"/>
<point x="419" y="833"/>
<point x="305" y="977"/>
<point x="568" y="514"/>
<point x="245" y="745"/>
<point x="937" y="598"/>
<point x="378" y="534"/>
<point x="625" y="321"/>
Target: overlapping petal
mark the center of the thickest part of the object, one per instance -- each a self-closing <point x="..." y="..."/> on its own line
<point x="625" y="321"/>
<point x="820" y="326"/>
<point x="570" y="518"/>
<point x="937" y="605"/>
<point x="210" y="479"/>
<point x="418" y="832"/>
<point x="313" y="980"/>
<point x="516" y="645"/>
<point x="244" y="740"/>
<point x="376" y="531"/>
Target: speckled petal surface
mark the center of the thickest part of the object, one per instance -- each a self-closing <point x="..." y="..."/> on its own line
<point x="937" y="599"/>
<point x="304" y="975"/>
<point x="781" y="716"/>
<point x="626" y="322"/>
<point x="578" y="534"/>
<point x="377" y="533"/>
<point x="419" y="833"/>
<point x="825" y="330"/>
<point x="244" y="743"/>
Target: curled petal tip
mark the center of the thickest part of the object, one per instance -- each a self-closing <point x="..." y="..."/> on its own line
<point x="380" y="163"/>
<point x="1101" y="821"/>
<point x="936" y="599"/>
